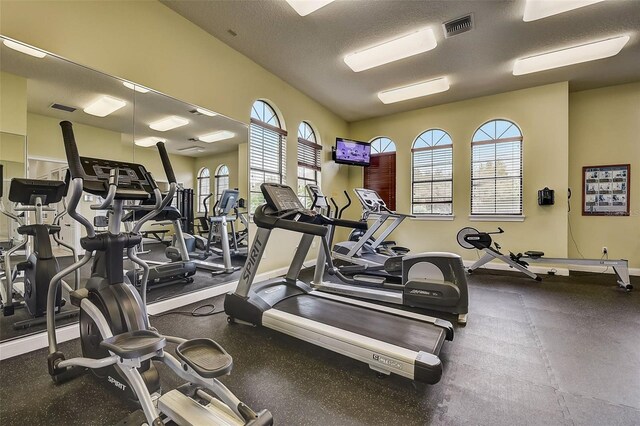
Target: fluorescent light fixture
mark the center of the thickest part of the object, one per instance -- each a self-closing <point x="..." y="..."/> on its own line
<point x="24" y="49"/>
<point x="403" y="47"/>
<point x="104" y="106"/>
<point x="572" y="55"/>
<point x="220" y="135"/>
<point x="135" y="87"/>
<point x="305" y="7"/>
<point x="147" y="142"/>
<point x="191" y="149"/>
<point x="416" y="90"/>
<point x="538" y="9"/>
<point x="206" y="112"/>
<point x="169" y="123"/>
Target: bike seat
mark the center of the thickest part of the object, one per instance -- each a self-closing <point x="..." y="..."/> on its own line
<point x="534" y="254"/>
<point x="207" y="358"/>
<point x="134" y="344"/>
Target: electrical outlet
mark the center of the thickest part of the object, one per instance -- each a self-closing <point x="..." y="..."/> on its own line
<point x="605" y="250"/>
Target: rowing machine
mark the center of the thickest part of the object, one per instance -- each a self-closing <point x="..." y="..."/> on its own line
<point x="471" y="238"/>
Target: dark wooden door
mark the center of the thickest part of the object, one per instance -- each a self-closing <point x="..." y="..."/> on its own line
<point x="381" y="177"/>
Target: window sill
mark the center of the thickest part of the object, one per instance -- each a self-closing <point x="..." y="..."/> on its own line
<point x="434" y="217"/>
<point x="497" y="218"/>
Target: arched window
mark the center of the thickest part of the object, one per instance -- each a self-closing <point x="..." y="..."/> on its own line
<point x="204" y="188"/>
<point x="222" y="180"/>
<point x="381" y="173"/>
<point x="267" y="151"/>
<point x="382" y="145"/>
<point x="309" y="161"/>
<point x="432" y="173"/>
<point x="496" y="169"/>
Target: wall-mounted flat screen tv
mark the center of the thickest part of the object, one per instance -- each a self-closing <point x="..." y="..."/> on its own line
<point x="350" y="152"/>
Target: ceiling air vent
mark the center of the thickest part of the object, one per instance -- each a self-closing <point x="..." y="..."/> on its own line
<point x="458" y="26"/>
<point x="63" y="107"/>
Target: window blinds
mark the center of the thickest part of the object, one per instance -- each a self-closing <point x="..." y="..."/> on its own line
<point x="432" y="180"/>
<point x="496" y="177"/>
<point x="267" y="156"/>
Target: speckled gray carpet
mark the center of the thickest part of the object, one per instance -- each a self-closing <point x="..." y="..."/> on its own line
<point x="564" y="351"/>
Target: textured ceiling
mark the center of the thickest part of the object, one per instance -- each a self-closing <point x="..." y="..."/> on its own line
<point x="55" y="80"/>
<point x="307" y="51"/>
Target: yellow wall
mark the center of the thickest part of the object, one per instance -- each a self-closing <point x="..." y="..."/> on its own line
<point x="146" y="42"/>
<point x="542" y="115"/>
<point x="13" y="104"/>
<point x="604" y="127"/>
<point x="212" y="162"/>
<point x="45" y="140"/>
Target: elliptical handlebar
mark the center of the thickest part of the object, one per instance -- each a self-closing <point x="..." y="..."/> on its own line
<point x="346" y="206"/>
<point x="166" y="163"/>
<point x="113" y="188"/>
<point x="206" y="207"/>
<point x="71" y="149"/>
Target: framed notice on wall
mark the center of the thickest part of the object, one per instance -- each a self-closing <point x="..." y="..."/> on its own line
<point x="605" y="190"/>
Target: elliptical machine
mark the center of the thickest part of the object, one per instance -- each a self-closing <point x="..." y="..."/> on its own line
<point x="34" y="195"/>
<point x="433" y="281"/>
<point x="118" y="343"/>
<point x="200" y="249"/>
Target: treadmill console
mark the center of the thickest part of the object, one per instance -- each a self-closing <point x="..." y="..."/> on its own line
<point x="370" y="200"/>
<point x="27" y="191"/>
<point x="280" y="197"/>
<point x="132" y="178"/>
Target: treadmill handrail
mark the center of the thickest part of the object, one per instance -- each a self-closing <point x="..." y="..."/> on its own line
<point x="270" y="221"/>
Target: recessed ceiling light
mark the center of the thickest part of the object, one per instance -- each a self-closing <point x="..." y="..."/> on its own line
<point x="220" y="135"/>
<point x="147" y="142"/>
<point x="394" y="50"/>
<point x="169" y="123"/>
<point x="416" y="90"/>
<point x="305" y="7"/>
<point x="24" y="49"/>
<point x="135" y="87"/>
<point x="538" y="9"/>
<point x="572" y="55"/>
<point x="104" y="106"/>
<point x="206" y="112"/>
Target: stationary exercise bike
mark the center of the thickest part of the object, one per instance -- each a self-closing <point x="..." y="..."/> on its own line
<point x="33" y="195"/>
<point x="118" y="343"/>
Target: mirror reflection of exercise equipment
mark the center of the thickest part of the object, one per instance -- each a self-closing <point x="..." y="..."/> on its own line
<point x="471" y="238"/>
<point x="26" y="284"/>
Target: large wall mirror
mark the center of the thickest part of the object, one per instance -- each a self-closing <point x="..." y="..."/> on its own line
<point x="120" y="120"/>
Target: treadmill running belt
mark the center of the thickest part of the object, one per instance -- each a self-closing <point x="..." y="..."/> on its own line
<point x="404" y="332"/>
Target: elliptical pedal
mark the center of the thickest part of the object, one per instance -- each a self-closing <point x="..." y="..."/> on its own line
<point x="206" y="357"/>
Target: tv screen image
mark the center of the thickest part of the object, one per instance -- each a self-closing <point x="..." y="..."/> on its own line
<point x="352" y="152"/>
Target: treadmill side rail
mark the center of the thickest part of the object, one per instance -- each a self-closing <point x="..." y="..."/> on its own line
<point x="381" y="356"/>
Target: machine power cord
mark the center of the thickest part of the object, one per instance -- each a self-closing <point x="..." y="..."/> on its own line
<point x="195" y="312"/>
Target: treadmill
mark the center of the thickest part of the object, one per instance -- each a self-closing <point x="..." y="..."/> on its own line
<point x="364" y="251"/>
<point x="389" y="340"/>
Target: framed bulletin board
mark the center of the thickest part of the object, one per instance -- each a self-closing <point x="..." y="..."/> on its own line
<point x="605" y="190"/>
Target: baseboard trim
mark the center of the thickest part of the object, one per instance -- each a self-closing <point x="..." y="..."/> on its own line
<point x="33" y="342"/>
